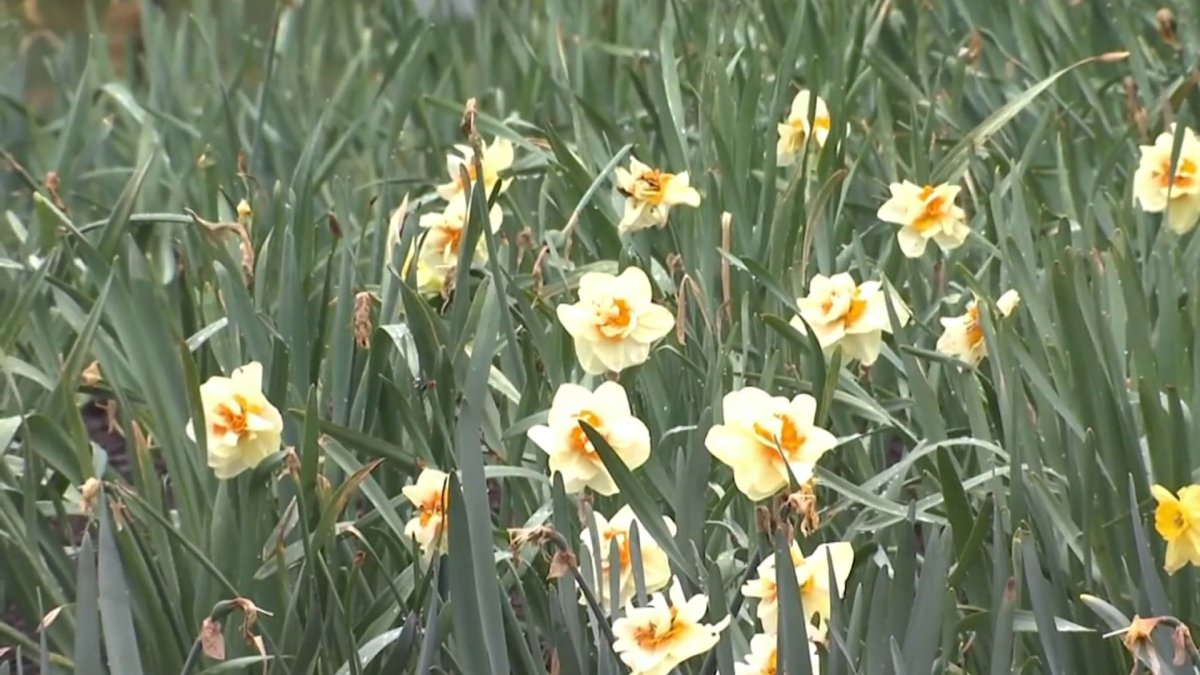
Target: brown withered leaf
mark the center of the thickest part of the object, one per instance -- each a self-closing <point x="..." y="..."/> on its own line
<point x="562" y="564"/>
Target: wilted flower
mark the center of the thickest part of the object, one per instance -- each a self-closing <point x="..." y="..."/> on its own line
<point x="656" y="569"/>
<point x="1177" y="520"/>
<point x="764" y="436"/>
<point x="615" y="322"/>
<point x="242" y="428"/>
<point x="812" y="579"/>
<point x="571" y="453"/>
<point x="444" y="238"/>
<point x="428" y="494"/>
<point x="497" y="157"/>
<point x="653" y="640"/>
<point x="925" y="213"/>
<point x="763" y="659"/>
<point x="1158" y="190"/>
<point x="650" y="194"/>
<point x="795" y="130"/>
<point x="963" y="335"/>
<point x="853" y="316"/>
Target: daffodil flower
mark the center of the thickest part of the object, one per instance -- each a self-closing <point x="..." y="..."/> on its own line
<point x="615" y="321"/>
<point x="764" y="436"/>
<point x="853" y="316"/>
<point x="656" y="569"/>
<point x="812" y="579"/>
<point x="571" y="453"/>
<point x="763" y="659"/>
<point x="497" y="157"/>
<point x="445" y="232"/>
<point x="962" y="336"/>
<point x="428" y="526"/>
<point x="650" y="194"/>
<point x="794" y="132"/>
<point x="1177" y="520"/>
<point x="764" y="587"/>
<point x="242" y="428"/>
<point x="655" y="639"/>
<point x="925" y="213"/>
<point x="1157" y="189"/>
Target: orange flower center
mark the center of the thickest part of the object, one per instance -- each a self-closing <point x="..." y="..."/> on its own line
<point x="650" y="636"/>
<point x="1170" y="520"/>
<point x="789" y="439"/>
<point x="974" y="328"/>
<point x="578" y="440"/>
<point x="615" y="319"/>
<point x="433" y="507"/>
<point x="935" y="210"/>
<point x="624" y="550"/>
<point x="651" y="186"/>
<point x="233" y="418"/>
<point x="1185" y="175"/>
<point x="856" y="310"/>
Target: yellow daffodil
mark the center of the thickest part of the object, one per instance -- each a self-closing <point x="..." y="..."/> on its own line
<point x="650" y="194"/>
<point x="924" y="213"/>
<point x="1177" y="520"/>
<point x="571" y="453"/>
<point x="962" y="336"/>
<point x="1157" y="190"/>
<point x="795" y="130"/>
<point x="656" y="569"/>
<point x="431" y="271"/>
<point x="764" y="436"/>
<point x="445" y="231"/>
<point x="428" y="495"/>
<point x="816" y="595"/>
<point x="242" y="428"/>
<point x="615" y="322"/>
<point x="764" y="588"/>
<point x="763" y="659"/>
<point x="853" y="316"/>
<point x="655" y="639"/>
<point x="497" y="157"/>
<point x="812" y="579"/>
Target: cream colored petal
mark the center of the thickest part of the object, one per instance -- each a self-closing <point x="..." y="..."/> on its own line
<point x="589" y="360"/>
<point x="499" y="155"/>
<point x="912" y="243"/>
<point x="248" y="377"/>
<point x="1183" y="214"/>
<point x="638" y="215"/>
<point x="636" y="167"/>
<point x="577" y="320"/>
<point x="653" y="324"/>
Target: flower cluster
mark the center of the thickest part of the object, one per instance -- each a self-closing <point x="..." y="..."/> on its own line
<point x="439" y="252"/>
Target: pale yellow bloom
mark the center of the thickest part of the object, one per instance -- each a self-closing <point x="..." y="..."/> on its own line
<point x="242" y="428"/>
<point x="650" y="194"/>
<point x="428" y="495"/>
<point x="244" y="212"/>
<point x="853" y="316"/>
<point x="1157" y="191"/>
<point x="445" y="232"/>
<point x="962" y="336"/>
<point x="765" y="589"/>
<point x="571" y="453"/>
<point x="654" y="639"/>
<point x="497" y="157"/>
<point x="615" y="322"/>
<point x="656" y="568"/>
<point x="795" y="130"/>
<point x="763" y="659"/>
<point x="925" y="213"/>
<point x="812" y="579"/>
<point x="431" y="272"/>
<point x="816" y="595"/>
<point x="1177" y="520"/>
<point x="764" y="436"/>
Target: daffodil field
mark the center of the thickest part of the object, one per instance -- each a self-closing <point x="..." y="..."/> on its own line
<point x="732" y="337"/>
